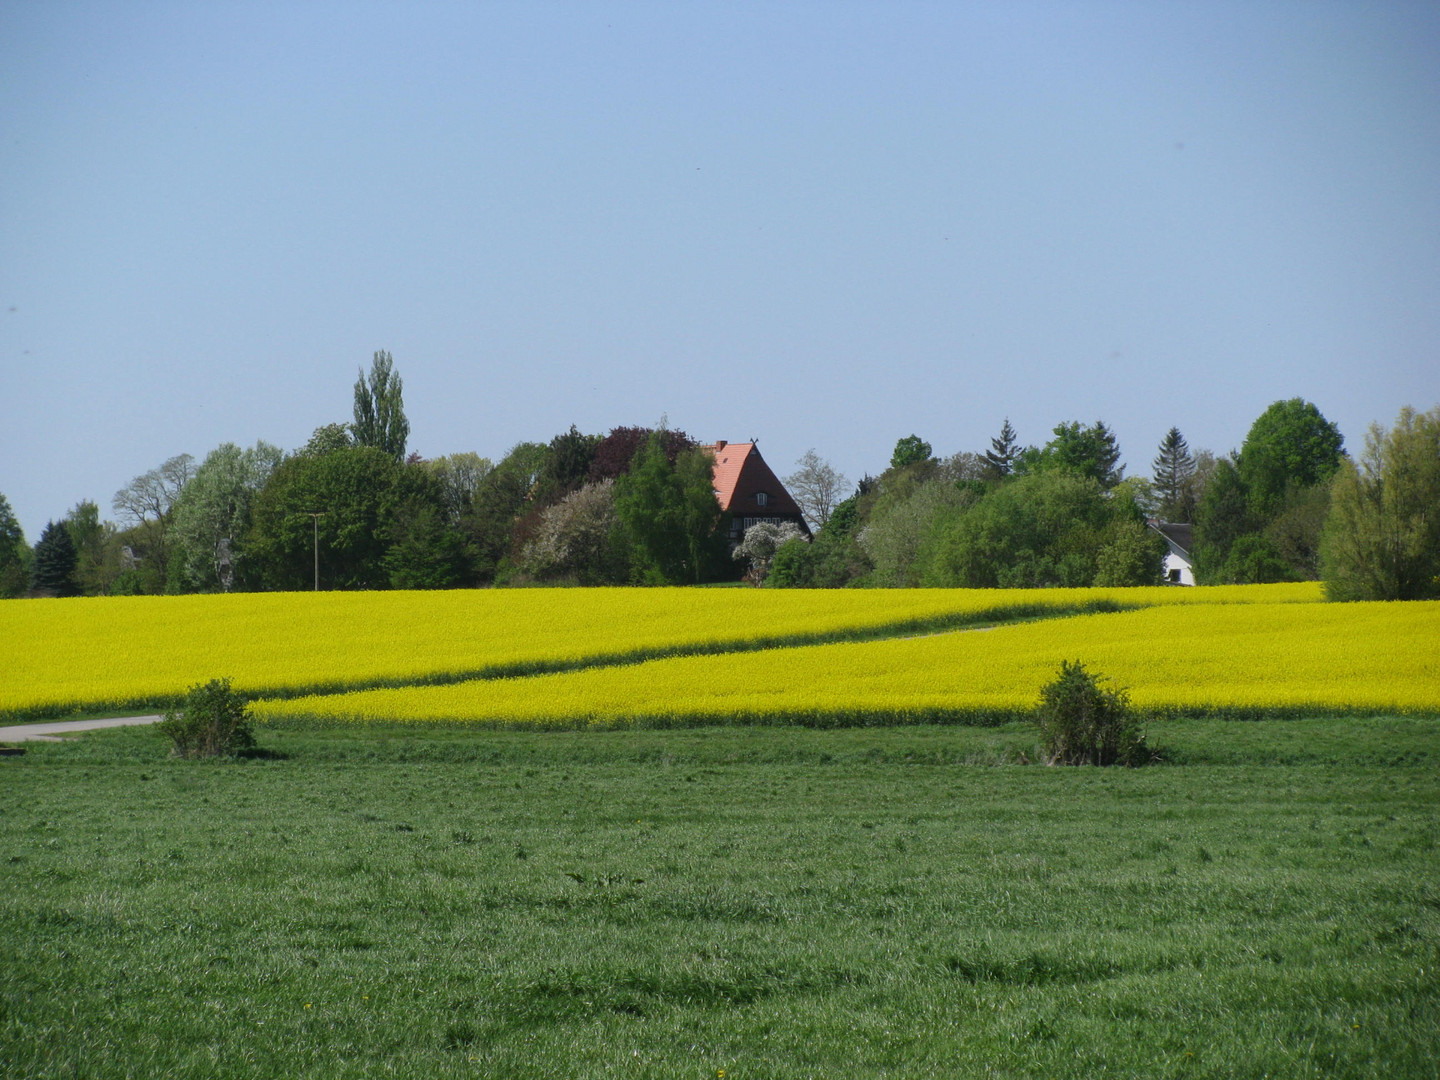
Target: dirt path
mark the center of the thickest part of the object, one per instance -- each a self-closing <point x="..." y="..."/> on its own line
<point x="51" y="732"/>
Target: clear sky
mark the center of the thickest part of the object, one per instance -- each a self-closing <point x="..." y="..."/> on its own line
<point x="822" y="225"/>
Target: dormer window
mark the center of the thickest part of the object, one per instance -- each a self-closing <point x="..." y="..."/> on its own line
<point x="761" y="498"/>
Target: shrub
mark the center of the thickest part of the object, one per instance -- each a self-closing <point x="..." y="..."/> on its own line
<point x="213" y="720"/>
<point x="1081" y="723"/>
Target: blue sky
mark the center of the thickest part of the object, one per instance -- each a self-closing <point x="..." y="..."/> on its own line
<point x="823" y="225"/>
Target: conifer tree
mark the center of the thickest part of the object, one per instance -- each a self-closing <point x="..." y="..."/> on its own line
<point x="1088" y="451"/>
<point x="1001" y="455"/>
<point x="1174" y="466"/>
<point x="14" y="553"/>
<point x="55" y="561"/>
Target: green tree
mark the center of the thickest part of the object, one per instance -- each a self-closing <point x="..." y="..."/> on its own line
<point x="362" y="495"/>
<point x="211" y="517"/>
<point x="1139" y="491"/>
<point x="566" y="467"/>
<point x="55" y="561"/>
<point x="832" y="560"/>
<point x="911" y="450"/>
<point x="327" y="438"/>
<point x="425" y="551"/>
<point x="1382" y="537"/>
<point x="1004" y="448"/>
<point x="1130" y="553"/>
<point x="1222" y="516"/>
<point x="97" y="554"/>
<point x="1295" y="531"/>
<point x="1085" y="451"/>
<point x="1289" y="445"/>
<point x="671" y="515"/>
<point x="1196" y="483"/>
<point x="1042" y="529"/>
<point x="380" y="409"/>
<point x="1252" y="560"/>
<point x="904" y="522"/>
<point x="15" y="554"/>
<point x="1174" y="465"/>
<point x="503" y="498"/>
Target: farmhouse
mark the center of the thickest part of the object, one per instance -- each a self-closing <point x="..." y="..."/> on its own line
<point x="748" y="491"/>
<point x="1179" y="542"/>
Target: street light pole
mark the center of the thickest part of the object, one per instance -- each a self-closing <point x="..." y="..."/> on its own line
<point x="315" y="519"/>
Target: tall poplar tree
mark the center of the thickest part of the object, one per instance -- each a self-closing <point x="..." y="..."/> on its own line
<point x="380" y="409"/>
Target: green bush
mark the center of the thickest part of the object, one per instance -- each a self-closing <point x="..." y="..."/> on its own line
<point x="1082" y="723"/>
<point x="213" y="720"/>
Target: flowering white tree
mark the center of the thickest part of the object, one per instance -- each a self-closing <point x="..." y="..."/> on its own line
<point x="576" y="536"/>
<point x="760" y="544"/>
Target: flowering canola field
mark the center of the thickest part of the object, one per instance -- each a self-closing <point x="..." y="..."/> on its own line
<point x="112" y="652"/>
<point x="1259" y="659"/>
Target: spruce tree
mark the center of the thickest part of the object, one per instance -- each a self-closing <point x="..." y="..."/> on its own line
<point x="55" y="561"/>
<point x="1174" y="466"/>
<point x="1001" y="456"/>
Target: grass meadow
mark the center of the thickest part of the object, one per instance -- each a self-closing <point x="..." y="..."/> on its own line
<point x="725" y="902"/>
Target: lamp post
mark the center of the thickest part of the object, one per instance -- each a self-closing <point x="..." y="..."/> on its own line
<point x="315" y="520"/>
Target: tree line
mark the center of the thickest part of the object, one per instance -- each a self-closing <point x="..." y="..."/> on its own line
<point x="1289" y="505"/>
<point x="352" y="509"/>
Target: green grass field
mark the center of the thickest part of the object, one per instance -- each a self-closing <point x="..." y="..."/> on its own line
<point x="758" y="902"/>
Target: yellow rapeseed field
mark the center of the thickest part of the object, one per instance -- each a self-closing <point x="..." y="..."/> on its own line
<point x="1239" y="659"/>
<point x="96" y="653"/>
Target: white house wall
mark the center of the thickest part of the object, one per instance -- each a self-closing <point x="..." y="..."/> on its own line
<point x="1174" y="562"/>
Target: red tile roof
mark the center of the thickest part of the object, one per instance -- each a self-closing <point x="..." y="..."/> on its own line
<point x="729" y="459"/>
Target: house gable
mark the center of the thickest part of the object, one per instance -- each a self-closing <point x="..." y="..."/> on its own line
<point x="1179" y="563"/>
<point x="748" y="490"/>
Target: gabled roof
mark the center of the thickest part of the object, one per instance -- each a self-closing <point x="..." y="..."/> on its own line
<point x="729" y="459"/>
<point x="1180" y="537"/>
<point x="741" y="474"/>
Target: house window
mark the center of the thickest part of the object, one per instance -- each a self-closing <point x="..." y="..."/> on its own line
<point x="761" y="499"/>
<point x="1175" y="575"/>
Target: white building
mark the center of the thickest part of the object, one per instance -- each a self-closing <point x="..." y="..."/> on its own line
<point x="1179" y="542"/>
